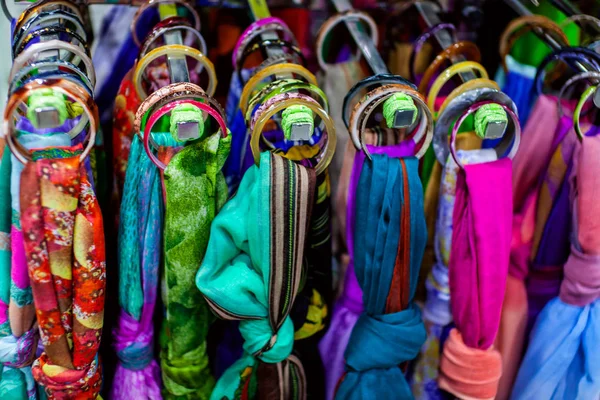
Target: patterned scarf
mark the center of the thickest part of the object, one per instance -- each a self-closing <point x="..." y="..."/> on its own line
<point x="65" y="257"/>
<point x="436" y="312"/>
<point x="390" y="226"/>
<point x="195" y="190"/>
<point x="140" y="233"/>
<point x="349" y="307"/>
<point x="562" y="358"/>
<point x="478" y="266"/>
<point x="252" y="272"/>
<point x="19" y="340"/>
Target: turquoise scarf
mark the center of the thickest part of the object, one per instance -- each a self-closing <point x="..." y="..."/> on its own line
<point x="252" y="272"/>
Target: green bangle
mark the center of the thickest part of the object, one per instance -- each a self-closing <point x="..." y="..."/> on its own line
<point x="584" y="97"/>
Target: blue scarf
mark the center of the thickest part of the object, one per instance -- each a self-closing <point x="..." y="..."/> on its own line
<point x="390" y="331"/>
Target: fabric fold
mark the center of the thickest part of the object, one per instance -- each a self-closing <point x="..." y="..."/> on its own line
<point x="389" y="224"/>
<point x="252" y="272"/>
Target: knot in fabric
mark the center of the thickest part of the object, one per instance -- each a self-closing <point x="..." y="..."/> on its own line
<point x="187" y="375"/>
<point x="18" y="352"/>
<point x="385" y="341"/>
<point x="437" y="305"/>
<point x="581" y="283"/>
<point x="468" y="372"/>
<point x="133" y="344"/>
<point x="263" y="343"/>
<point x="64" y="383"/>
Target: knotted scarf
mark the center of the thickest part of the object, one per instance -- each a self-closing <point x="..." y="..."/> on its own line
<point x="562" y="358"/>
<point x="251" y="272"/>
<point x="195" y="191"/>
<point x="19" y="340"/>
<point x="390" y="226"/>
<point x="529" y="166"/>
<point x="64" y="244"/>
<point x="350" y="305"/>
<point x="470" y="367"/>
<point x="436" y="311"/>
<point x="140" y="233"/>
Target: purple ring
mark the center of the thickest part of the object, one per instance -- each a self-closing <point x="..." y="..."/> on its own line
<point x="248" y="31"/>
<point x="422" y="39"/>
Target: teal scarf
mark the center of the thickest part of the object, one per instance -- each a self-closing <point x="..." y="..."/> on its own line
<point x="390" y="236"/>
<point x="252" y="272"/>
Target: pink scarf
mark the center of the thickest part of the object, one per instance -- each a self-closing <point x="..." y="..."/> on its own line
<point x="478" y="268"/>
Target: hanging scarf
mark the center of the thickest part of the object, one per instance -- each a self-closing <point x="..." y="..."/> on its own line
<point x="65" y="258"/>
<point x="562" y="361"/>
<point x="138" y="374"/>
<point x="195" y="191"/>
<point x="252" y="271"/>
<point x="18" y="345"/>
<point x="436" y="311"/>
<point x="390" y="226"/>
<point x="529" y="166"/>
<point x="470" y="367"/>
<point x="350" y="305"/>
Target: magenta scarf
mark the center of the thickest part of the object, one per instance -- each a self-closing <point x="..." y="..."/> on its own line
<point x="478" y="267"/>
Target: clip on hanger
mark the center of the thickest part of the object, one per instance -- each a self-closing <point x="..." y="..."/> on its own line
<point x="428" y="10"/>
<point x="300" y="130"/>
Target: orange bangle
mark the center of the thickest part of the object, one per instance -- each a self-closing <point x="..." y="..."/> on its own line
<point x="464" y="48"/>
<point x="520" y="26"/>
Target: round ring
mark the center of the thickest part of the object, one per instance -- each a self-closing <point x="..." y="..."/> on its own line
<point x="350" y="15"/>
<point x="454" y="110"/>
<point x="282" y="69"/>
<point x="174" y="49"/>
<point x="422" y="39"/>
<point x="471" y="110"/>
<point x="581" y="18"/>
<point x="54" y="44"/>
<point x="380" y="80"/>
<point x="165" y="110"/>
<point x="153" y="3"/>
<point x="582" y="54"/>
<point x="363" y="109"/>
<point x="287" y="86"/>
<point x="569" y="83"/>
<point x="41" y="19"/>
<point x="447" y="74"/>
<point x="264" y="45"/>
<point x="584" y="97"/>
<point x="38" y="8"/>
<point x="519" y="26"/>
<point x="63" y="86"/>
<point x="467" y="49"/>
<point x="469" y="85"/>
<point x="277" y="104"/>
<point x="52" y="30"/>
<point x="174" y="23"/>
<point x="58" y="63"/>
<point x="257" y="28"/>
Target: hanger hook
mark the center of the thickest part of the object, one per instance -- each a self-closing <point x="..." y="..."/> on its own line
<point x="6" y="11"/>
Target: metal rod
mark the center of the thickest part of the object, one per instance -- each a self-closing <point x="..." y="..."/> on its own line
<point x="259" y="10"/>
<point x="429" y="12"/>
<point x="402" y="118"/>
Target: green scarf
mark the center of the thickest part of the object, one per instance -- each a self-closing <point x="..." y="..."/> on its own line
<point x="195" y="190"/>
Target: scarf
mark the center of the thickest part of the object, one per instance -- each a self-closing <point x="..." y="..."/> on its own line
<point x="436" y="311"/>
<point x="529" y="166"/>
<point x="518" y="84"/>
<point x="350" y="305"/>
<point x="561" y="361"/>
<point x="65" y="258"/>
<point x="251" y="272"/>
<point x="195" y="190"/>
<point x="19" y="340"/>
<point x="390" y="226"/>
<point x="137" y="373"/>
<point x="470" y="367"/>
